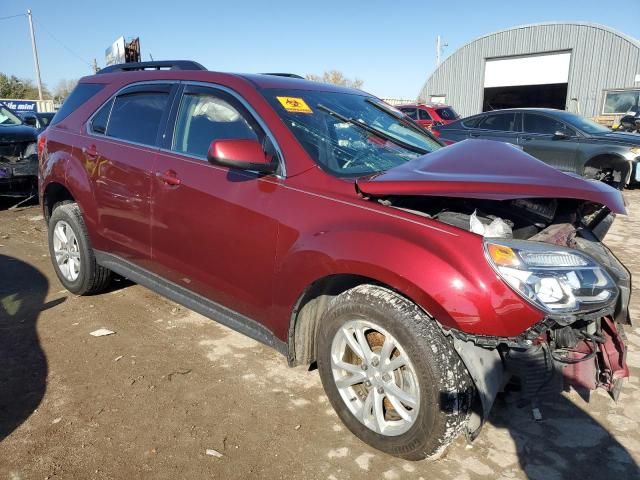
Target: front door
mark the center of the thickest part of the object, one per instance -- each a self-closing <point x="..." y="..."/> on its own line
<point x="213" y="230"/>
<point x="539" y="139"/>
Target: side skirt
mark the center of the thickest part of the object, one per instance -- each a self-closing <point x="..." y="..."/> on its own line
<point x="192" y="301"/>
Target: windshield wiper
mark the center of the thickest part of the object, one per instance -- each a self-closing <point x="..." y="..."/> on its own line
<point x="372" y="130"/>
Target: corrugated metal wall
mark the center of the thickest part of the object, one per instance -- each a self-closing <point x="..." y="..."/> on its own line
<point x="601" y="59"/>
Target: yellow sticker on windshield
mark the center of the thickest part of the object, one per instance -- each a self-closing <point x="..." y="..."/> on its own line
<point x="294" y="104"/>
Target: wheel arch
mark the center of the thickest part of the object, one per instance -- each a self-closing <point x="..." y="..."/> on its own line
<point x="310" y="307"/>
<point x="53" y="194"/>
<point x="603" y="161"/>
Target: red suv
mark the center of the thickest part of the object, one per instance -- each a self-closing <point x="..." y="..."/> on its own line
<point x="324" y="223"/>
<point x="430" y="114"/>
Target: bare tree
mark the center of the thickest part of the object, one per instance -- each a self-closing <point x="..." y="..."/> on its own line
<point x="336" y="77"/>
<point x="63" y="88"/>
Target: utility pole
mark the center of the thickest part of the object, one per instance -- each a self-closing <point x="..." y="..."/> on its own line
<point x="35" y="54"/>
<point x="439" y="48"/>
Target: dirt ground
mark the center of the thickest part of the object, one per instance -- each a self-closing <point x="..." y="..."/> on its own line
<point x="150" y="400"/>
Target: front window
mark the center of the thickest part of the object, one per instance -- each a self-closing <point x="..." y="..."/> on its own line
<point x="583" y="124"/>
<point x="7" y="117"/>
<point x="350" y="135"/>
<point x="209" y="115"/>
<point x="541" y="124"/>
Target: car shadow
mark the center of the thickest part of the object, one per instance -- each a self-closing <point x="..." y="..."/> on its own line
<point x="567" y="443"/>
<point x="23" y="364"/>
<point x="17" y="202"/>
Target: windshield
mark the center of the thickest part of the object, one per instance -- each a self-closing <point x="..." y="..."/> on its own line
<point x="349" y="134"/>
<point x="582" y="124"/>
<point x="7" y="117"/>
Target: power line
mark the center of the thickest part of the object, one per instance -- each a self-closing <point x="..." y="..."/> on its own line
<point x="62" y="44"/>
<point x="13" y="16"/>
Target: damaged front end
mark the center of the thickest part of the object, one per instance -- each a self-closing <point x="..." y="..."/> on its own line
<point x="550" y="252"/>
<point x="543" y="233"/>
<point x="18" y="168"/>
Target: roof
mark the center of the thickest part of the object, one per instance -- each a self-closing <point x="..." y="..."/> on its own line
<point x="258" y="80"/>
<point x="597" y="26"/>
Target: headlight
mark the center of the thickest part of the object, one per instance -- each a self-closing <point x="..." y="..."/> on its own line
<point x="32" y="149"/>
<point x="635" y="151"/>
<point x="560" y="281"/>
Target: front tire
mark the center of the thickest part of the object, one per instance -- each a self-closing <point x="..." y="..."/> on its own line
<point x="71" y="253"/>
<point x="391" y="375"/>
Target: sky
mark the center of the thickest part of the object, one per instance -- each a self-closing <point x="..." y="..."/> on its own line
<point x="389" y="45"/>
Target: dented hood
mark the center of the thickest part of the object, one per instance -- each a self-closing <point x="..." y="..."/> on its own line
<point x="487" y="169"/>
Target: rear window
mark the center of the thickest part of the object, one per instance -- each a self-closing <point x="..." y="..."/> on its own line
<point x="80" y="94"/>
<point x="505" y="122"/>
<point x="447" y="113"/>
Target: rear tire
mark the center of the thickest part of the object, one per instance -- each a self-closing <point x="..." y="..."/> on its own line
<point x="433" y="386"/>
<point x="71" y="253"/>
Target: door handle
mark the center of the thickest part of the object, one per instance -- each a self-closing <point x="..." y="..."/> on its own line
<point x="91" y="151"/>
<point x="526" y="139"/>
<point x="169" y="178"/>
<point x="474" y="135"/>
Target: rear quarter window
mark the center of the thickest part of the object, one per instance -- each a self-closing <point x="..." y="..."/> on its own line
<point x="79" y="95"/>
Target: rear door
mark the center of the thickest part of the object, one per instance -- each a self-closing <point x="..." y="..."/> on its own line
<point x="214" y="230"/>
<point x="502" y="127"/>
<point x="424" y="118"/>
<point x="118" y="154"/>
<point x="538" y="139"/>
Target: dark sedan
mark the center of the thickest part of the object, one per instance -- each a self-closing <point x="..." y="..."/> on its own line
<point x="18" y="156"/>
<point x="564" y="140"/>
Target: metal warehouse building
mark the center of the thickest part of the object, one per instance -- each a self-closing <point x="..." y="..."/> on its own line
<point x="584" y="68"/>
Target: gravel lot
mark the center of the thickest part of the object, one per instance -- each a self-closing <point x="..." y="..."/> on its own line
<point x="150" y="400"/>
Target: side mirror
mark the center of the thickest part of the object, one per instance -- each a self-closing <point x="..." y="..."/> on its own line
<point x="243" y="154"/>
<point x="561" y="135"/>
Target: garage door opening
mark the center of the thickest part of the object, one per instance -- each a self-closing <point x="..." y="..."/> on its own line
<point x="527" y="81"/>
<point x="538" y="96"/>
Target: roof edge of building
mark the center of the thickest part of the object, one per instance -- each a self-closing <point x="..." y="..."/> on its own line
<point x="599" y="26"/>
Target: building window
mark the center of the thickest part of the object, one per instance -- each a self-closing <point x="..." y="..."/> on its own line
<point x="620" y="102"/>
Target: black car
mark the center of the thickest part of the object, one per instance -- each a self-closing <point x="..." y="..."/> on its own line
<point x="18" y="156"/>
<point x="37" y="120"/>
<point x="562" y="139"/>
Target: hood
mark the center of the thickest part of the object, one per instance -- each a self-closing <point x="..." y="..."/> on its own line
<point x="17" y="133"/>
<point x="487" y="169"/>
<point x="622" y="138"/>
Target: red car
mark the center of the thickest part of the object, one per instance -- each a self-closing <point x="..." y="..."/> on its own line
<point x="430" y="114"/>
<point x="320" y="221"/>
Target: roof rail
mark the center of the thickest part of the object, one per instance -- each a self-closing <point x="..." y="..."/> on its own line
<point x="289" y="75"/>
<point x="165" y="64"/>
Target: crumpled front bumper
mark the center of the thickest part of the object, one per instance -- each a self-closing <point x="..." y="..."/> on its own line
<point x="606" y="363"/>
<point x="19" y="178"/>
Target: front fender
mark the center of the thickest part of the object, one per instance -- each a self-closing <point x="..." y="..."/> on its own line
<point x="444" y="273"/>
